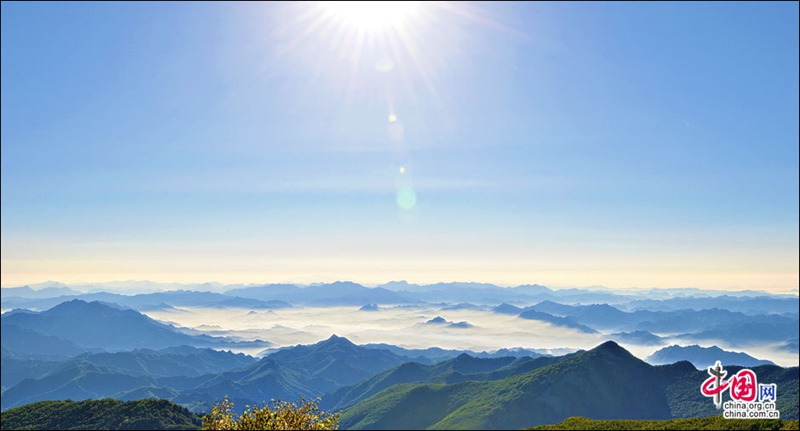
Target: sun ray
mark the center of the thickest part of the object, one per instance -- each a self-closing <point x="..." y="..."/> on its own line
<point x="396" y="51"/>
<point x="472" y="13"/>
<point x="359" y="41"/>
<point x="410" y="42"/>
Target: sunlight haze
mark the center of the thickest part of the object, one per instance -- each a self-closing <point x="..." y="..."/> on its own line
<point x="565" y="144"/>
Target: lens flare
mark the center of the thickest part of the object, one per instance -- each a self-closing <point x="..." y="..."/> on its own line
<point x="384" y="64"/>
<point x="406" y="198"/>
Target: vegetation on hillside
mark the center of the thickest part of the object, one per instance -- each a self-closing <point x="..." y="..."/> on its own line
<point x="707" y="423"/>
<point x="604" y="383"/>
<point x="109" y="414"/>
<point x="276" y="415"/>
<point x="157" y="414"/>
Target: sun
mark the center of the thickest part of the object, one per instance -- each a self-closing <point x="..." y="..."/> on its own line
<point x="371" y="15"/>
<point x="408" y="42"/>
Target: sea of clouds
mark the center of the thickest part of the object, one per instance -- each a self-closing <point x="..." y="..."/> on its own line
<point x="405" y="326"/>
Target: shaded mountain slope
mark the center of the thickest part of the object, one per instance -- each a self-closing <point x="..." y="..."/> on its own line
<point x="24" y="343"/>
<point x="606" y="382"/>
<point x="102" y="326"/>
<point x="564" y="322"/>
<point x="459" y="369"/>
<point x="337" y="360"/>
<point x="79" y="382"/>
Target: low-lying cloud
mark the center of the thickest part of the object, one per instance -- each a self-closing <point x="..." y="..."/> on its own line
<point x="405" y="326"/>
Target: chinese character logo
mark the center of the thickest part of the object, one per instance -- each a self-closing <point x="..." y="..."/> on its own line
<point x="742" y="386"/>
<point x="713" y="386"/>
<point x="749" y="399"/>
<point x="767" y="392"/>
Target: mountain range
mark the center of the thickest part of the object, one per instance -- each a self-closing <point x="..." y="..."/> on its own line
<point x="194" y="377"/>
<point x="106" y="348"/>
<point x="381" y="389"/>
<point x="703" y="357"/>
<point x="49" y="294"/>
<point x="606" y="382"/>
<point x="749" y="321"/>
<point x="94" y="325"/>
<point x="145" y="301"/>
<point x="461" y="368"/>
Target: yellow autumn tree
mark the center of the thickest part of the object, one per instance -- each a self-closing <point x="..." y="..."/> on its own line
<point x="275" y="415"/>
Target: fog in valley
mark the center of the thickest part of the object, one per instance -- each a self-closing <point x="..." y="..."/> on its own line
<point x="405" y="326"/>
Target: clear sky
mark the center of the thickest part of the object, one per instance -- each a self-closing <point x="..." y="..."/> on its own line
<point x="565" y="144"/>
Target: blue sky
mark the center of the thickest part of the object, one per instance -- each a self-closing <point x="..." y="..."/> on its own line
<point x="626" y="145"/>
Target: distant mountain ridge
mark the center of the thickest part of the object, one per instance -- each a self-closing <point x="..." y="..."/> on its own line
<point x="467" y="294"/>
<point x="643" y="338"/>
<point x="47" y="292"/>
<point x="441" y="321"/>
<point x="337" y="293"/>
<point x="703" y="357"/>
<point x="433" y="355"/>
<point x="688" y="324"/>
<point x="149" y="301"/>
<point x="93" y="325"/>
<point x="565" y="322"/>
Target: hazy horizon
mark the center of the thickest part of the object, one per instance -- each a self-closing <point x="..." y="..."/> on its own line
<point x="141" y="286"/>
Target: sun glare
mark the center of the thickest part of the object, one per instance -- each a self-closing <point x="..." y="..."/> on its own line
<point x="372" y="15"/>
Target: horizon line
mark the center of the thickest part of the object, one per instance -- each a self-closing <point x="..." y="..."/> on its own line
<point x="55" y="283"/>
